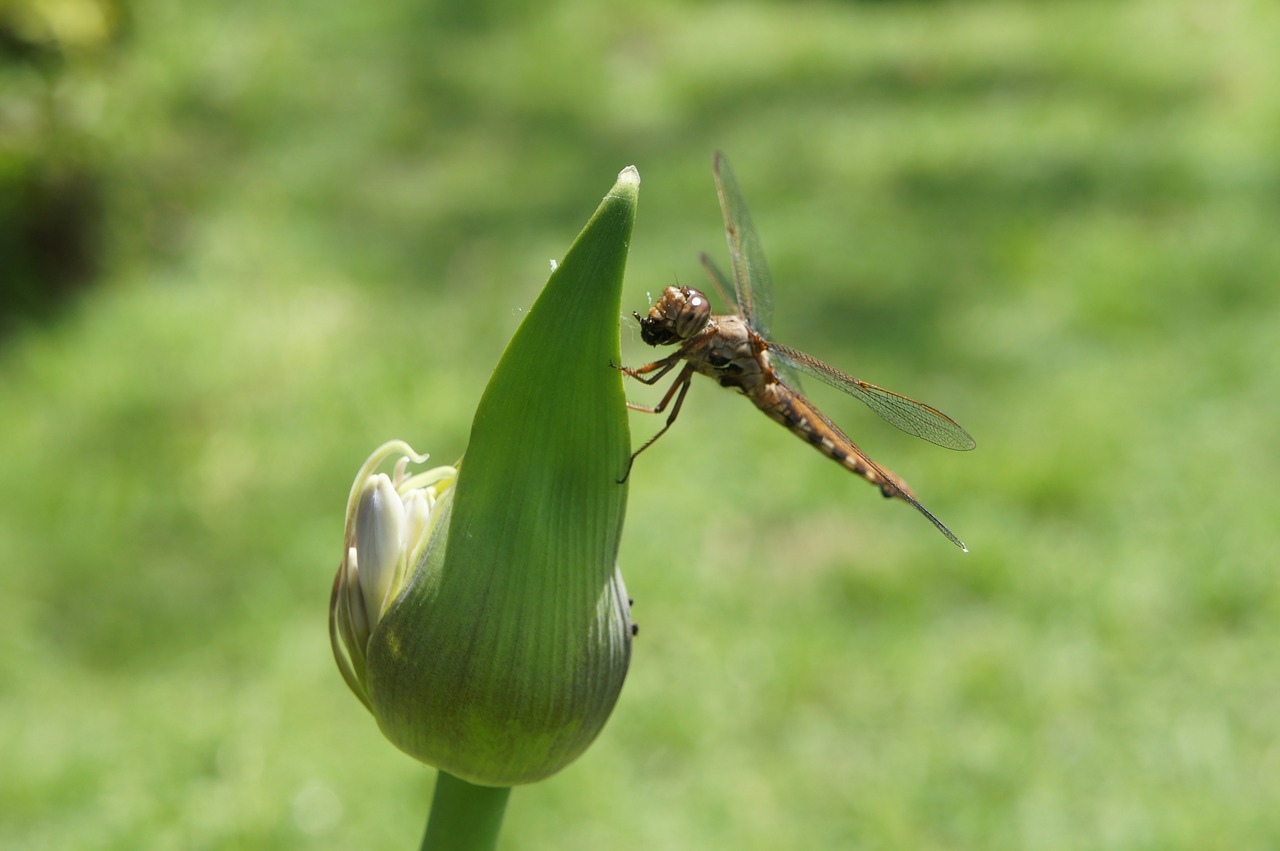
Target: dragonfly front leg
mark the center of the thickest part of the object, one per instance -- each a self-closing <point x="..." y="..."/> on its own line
<point x="678" y="389"/>
<point x="650" y="373"/>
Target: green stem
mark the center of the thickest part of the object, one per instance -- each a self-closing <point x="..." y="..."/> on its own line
<point x="464" y="817"/>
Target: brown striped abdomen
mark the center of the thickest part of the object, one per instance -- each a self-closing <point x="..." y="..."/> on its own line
<point x="788" y="408"/>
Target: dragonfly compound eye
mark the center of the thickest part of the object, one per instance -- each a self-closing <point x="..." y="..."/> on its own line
<point x="694" y="314"/>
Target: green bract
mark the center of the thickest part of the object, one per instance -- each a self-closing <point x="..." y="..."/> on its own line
<point x="484" y="622"/>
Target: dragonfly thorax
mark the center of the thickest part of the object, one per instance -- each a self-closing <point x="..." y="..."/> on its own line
<point x="679" y="315"/>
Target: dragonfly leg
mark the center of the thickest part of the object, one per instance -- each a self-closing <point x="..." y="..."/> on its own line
<point x="651" y="373"/>
<point x="679" y="388"/>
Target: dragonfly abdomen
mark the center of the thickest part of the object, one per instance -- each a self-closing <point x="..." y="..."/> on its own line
<point x="788" y="409"/>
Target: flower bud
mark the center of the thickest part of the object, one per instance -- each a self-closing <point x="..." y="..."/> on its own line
<point x="484" y="621"/>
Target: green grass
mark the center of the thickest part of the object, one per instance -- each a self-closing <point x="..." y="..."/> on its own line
<point x="1056" y="222"/>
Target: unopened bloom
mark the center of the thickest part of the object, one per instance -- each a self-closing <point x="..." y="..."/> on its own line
<point x="479" y="612"/>
<point x="389" y="521"/>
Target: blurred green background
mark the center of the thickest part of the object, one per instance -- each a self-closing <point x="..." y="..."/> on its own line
<point x="243" y="243"/>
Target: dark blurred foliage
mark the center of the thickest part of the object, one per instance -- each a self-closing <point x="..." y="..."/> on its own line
<point x="51" y="182"/>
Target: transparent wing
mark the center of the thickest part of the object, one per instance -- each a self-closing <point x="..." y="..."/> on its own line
<point x="751" y="279"/>
<point x="915" y="418"/>
<point x="719" y="281"/>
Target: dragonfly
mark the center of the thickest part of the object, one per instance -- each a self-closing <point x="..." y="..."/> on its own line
<point x="734" y="349"/>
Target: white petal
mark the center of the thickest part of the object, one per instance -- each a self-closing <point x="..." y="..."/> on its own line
<point x="417" y="518"/>
<point x="379" y="539"/>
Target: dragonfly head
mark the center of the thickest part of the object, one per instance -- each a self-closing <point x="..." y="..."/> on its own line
<point x="679" y="315"/>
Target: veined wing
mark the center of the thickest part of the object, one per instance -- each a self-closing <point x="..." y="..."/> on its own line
<point x="752" y="282"/>
<point x="915" y="418"/>
<point x="719" y="281"/>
